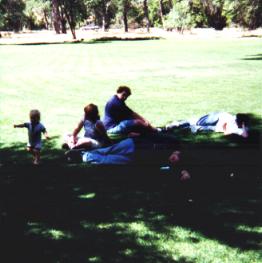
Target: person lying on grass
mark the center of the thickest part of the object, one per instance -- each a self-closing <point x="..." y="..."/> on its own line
<point x="95" y="135"/>
<point x="216" y="122"/>
<point x="120" y="119"/>
<point x="35" y="129"/>
<point x="127" y="152"/>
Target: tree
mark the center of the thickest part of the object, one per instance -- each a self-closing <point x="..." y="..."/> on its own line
<point x="180" y="17"/>
<point x="74" y="11"/>
<point x="125" y="6"/>
<point x="146" y="15"/>
<point x="247" y="13"/>
<point x="56" y="17"/>
<point x="213" y="10"/>
<point x="103" y="10"/>
<point x="11" y="14"/>
<point x="157" y="10"/>
<point x="37" y="14"/>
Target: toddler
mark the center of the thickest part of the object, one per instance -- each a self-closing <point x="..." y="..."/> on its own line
<point x="35" y="128"/>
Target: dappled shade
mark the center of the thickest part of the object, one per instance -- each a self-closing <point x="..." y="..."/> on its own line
<point x="135" y="213"/>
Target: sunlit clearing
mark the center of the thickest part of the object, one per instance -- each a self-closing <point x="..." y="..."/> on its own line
<point x="87" y="196"/>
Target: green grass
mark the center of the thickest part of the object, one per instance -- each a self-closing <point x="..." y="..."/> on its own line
<point x="170" y="79"/>
<point x="73" y="213"/>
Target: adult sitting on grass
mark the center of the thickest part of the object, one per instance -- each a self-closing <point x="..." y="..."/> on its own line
<point x="120" y="119"/>
<point x="95" y="134"/>
<point x="216" y="122"/>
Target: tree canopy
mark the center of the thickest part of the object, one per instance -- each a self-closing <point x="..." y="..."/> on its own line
<point x="62" y="15"/>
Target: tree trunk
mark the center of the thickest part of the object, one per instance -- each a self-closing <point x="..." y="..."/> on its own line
<point x="104" y="11"/>
<point x="46" y="19"/>
<point x="146" y="16"/>
<point x="125" y="9"/>
<point x="63" y="21"/>
<point x="161" y="7"/>
<point x="71" y="23"/>
<point x="56" y="16"/>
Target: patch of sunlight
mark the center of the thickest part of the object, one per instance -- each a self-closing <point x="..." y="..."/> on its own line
<point x="138" y="226"/>
<point x="127" y="252"/>
<point x="179" y="245"/>
<point x="57" y="234"/>
<point x="105" y="226"/>
<point x="87" y="225"/>
<point x="177" y="242"/>
<point x="159" y="218"/>
<point x="182" y="234"/>
<point x="35" y="228"/>
<point x="94" y="259"/>
<point x="112" y="225"/>
<point x="144" y="236"/>
<point x="39" y="229"/>
<point x="256" y="229"/>
<point x="87" y="196"/>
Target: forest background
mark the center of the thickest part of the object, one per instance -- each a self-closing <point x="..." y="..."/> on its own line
<point x="180" y="15"/>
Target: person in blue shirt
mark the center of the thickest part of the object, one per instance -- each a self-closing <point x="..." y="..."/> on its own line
<point x="95" y="135"/>
<point x="35" y="129"/>
<point x="120" y="119"/>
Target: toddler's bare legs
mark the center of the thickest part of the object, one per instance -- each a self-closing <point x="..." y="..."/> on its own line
<point x="36" y="155"/>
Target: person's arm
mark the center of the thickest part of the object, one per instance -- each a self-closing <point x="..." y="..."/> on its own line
<point x="46" y="135"/>
<point x="139" y="117"/>
<point x="19" y="125"/>
<point x="78" y="129"/>
<point x="102" y="131"/>
<point x="146" y="122"/>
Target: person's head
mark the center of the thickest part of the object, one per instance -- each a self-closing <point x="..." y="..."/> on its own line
<point x="123" y="92"/>
<point x="91" y="112"/>
<point x="34" y="116"/>
<point x="242" y="118"/>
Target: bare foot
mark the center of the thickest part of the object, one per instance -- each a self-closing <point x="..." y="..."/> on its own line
<point x="174" y="157"/>
<point x="185" y="175"/>
<point x="36" y="162"/>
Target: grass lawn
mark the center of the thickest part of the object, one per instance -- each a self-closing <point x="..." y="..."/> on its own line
<point x="72" y="213"/>
<point x="170" y="79"/>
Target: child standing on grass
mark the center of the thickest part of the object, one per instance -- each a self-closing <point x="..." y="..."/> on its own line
<point x="35" y="128"/>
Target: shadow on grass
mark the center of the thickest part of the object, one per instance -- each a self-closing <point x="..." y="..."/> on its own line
<point x="74" y="213"/>
<point x="100" y="40"/>
<point x="254" y="57"/>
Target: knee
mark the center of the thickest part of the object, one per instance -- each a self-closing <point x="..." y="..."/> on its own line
<point x="29" y="149"/>
<point x="139" y="123"/>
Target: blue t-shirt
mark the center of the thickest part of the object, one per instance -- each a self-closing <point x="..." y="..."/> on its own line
<point x="34" y="133"/>
<point x="91" y="131"/>
<point x="115" y="112"/>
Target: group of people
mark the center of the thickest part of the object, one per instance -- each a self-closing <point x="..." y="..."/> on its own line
<point x="119" y="119"/>
<point x="96" y="145"/>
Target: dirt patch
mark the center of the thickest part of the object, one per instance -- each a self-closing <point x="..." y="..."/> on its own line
<point x="50" y="37"/>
